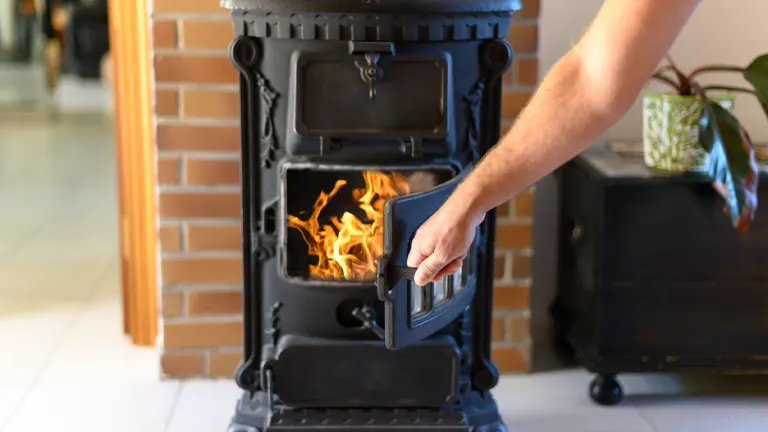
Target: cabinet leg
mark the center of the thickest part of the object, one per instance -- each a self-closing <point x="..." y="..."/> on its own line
<point x="606" y="390"/>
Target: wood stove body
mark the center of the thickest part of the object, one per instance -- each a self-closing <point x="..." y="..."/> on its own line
<point x="360" y="92"/>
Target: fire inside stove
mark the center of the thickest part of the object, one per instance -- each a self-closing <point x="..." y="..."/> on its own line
<point x="335" y="219"/>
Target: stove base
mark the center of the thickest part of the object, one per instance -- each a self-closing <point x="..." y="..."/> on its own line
<point x="476" y="414"/>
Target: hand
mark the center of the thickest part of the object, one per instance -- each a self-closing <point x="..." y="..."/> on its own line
<point x="441" y="243"/>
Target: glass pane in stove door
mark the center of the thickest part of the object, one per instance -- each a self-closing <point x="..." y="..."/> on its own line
<point x="417" y="299"/>
<point x="460" y="279"/>
<point x="440" y="291"/>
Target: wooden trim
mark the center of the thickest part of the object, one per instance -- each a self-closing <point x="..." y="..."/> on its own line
<point x="134" y="134"/>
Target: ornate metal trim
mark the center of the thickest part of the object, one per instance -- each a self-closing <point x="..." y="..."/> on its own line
<point x="409" y="6"/>
<point x="373" y="27"/>
<point x="474" y="102"/>
<point x="274" y="319"/>
<point x="370" y="72"/>
<point x="268" y="138"/>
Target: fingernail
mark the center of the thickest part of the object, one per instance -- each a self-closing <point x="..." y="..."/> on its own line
<point x="418" y="278"/>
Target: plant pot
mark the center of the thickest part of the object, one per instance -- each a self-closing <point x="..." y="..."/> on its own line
<point x="671" y="131"/>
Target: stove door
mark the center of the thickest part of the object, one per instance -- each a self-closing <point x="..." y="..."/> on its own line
<point x="413" y="313"/>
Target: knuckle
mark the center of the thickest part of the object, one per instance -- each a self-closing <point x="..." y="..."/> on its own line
<point x="442" y="255"/>
<point x="430" y="268"/>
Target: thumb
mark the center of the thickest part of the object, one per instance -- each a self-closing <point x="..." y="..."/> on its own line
<point x="429" y="269"/>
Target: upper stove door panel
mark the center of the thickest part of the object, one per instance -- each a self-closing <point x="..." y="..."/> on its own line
<point x="368" y="97"/>
<point x="413" y="313"/>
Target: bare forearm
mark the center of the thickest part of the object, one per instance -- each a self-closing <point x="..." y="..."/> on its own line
<point x="561" y="120"/>
<point x="588" y="90"/>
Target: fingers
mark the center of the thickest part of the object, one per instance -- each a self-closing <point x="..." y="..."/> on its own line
<point x="420" y="250"/>
<point x="428" y="269"/>
<point x="451" y="268"/>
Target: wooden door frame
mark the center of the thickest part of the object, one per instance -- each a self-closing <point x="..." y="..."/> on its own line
<point x="136" y="167"/>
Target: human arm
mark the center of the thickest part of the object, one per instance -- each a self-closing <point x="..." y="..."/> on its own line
<point x="582" y="95"/>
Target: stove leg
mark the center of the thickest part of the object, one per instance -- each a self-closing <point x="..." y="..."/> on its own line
<point x="606" y="390"/>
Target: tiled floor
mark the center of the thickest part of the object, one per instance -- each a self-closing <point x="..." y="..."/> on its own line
<point x="65" y="366"/>
<point x="23" y="88"/>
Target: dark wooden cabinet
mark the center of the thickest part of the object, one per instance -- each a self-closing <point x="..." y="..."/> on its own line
<point x="652" y="277"/>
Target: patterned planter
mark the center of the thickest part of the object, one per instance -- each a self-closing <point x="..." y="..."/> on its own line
<point x="671" y="131"/>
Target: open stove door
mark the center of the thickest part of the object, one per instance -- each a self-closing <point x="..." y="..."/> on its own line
<point x="413" y="313"/>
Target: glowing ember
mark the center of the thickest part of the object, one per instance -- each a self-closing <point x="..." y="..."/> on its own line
<point x="349" y="248"/>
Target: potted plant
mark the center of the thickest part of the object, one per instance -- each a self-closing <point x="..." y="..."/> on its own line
<point x="694" y="129"/>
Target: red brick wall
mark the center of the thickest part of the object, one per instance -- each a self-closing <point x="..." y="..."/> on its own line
<point x="196" y="110"/>
<point x="511" y="335"/>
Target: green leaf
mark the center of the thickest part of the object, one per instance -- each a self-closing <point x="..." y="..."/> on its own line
<point x="732" y="163"/>
<point x="757" y="75"/>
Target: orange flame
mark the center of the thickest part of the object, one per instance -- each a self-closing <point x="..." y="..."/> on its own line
<point x="350" y="248"/>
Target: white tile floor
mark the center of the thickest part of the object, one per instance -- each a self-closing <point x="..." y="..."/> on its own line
<point x="65" y="366"/>
<point x="23" y="88"/>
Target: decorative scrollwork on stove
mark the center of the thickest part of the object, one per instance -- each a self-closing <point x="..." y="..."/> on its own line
<point x="274" y="318"/>
<point x="268" y="138"/>
<point x="245" y="54"/>
<point x="474" y="101"/>
<point x="496" y="58"/>
<point x="371" y="72"/>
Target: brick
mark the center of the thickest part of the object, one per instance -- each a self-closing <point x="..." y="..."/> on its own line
<point x="199" y="204"/>
<point x="213" y="104"/>
<point x="212" y="172"/>
<point x="164" y="34"/>
<point x="206" y="34"/>
<point x="521" y="267"/>
<point x="519" y="329"/>
<point x="214" y="237"/>
<point x="516" y="236"/>
<point x="172" y="305"/>
<point x="524" y="205"/>
<point x="511" y="297"/>
<point x="510" y="359"/>
<point x="530" y="9"/>
<point x="503" y="210"/>
<point x="168" y="170"/>
<point x="193" y="137"/>
<point x="526" y="71"/>
<point x="214" y="302"/>
<point x="513" y="102"/>
<point x="167" y="102"/>
<point x="524" y="37"/>
<point x="174" y="68"/>
<point x="179" y="365"/>
<point x="188" y="6"/>
<point x="499" y="267"/>
<point x="202" y="270"/>
<point x="497" y="329"/>
<point x="170" y="238"/>
<point x="202" y="334"/>
<point x="223" y="364"/>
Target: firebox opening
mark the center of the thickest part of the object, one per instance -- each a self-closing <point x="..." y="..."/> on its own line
<point x="334" y="227"/>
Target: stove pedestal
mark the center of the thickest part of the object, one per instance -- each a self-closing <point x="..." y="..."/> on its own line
<point x="476" y="414"/>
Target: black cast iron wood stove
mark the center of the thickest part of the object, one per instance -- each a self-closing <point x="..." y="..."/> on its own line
<point x="359" y="118"/>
